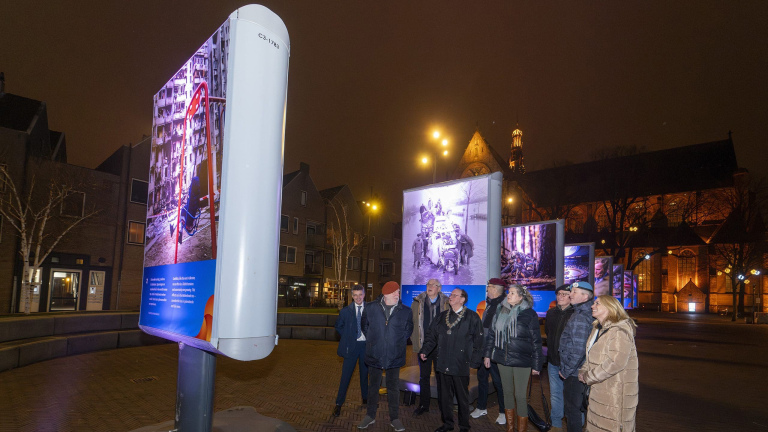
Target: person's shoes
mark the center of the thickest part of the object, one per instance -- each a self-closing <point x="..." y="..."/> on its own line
<point x="420" y="410"/>
<point x="477" y="413"/>
<point x="443" y="428"/>
<point x="511" y="416"/>
<point x="522" y="424"/>
<point x="336" y="411"/>
<point x="501" y="419"/>
<point x="367" y="421"/>
<point x="398" y="425"/>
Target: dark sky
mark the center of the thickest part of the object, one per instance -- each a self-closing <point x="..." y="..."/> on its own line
<point x="369" y="80"/>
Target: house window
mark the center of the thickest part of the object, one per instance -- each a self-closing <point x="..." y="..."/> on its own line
<point x="328" y="259"/>
<point x="643" y="271"/>
<point x="303" y="198"/>
<point x="353" y="263"/>
<point x="686" y="267"/>
<point x="284" y="221"/>
<point x="370" y="267"/>
<point x="136" y="232"/>
<point x="287" y="254"/>
<point x="373" y="242"/>
<point x="295" y="225"/>
<point x="139" y="190"/>
<point x="386" y="245"/>
<point x="73" y="205"/>
<point x="387" y="269"/>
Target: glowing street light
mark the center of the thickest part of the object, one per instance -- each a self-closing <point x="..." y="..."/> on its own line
<point x="425" y="160"/>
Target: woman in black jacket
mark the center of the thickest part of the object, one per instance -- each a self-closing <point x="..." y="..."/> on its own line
<point x="514" y="343"/>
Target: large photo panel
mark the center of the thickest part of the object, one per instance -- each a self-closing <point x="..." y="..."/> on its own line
<point x="579" y="263"/>
<point x="184" y="192"/>
<point x="532" y="256"/>
<point x="448" y="231"/>
<point x="603" y="275"/>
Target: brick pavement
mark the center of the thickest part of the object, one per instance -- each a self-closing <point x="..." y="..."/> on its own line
<point x="694" y="377"/>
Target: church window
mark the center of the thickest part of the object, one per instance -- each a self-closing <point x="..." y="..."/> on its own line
<point x="686" y="268"/>
<point x="643" y="271"/>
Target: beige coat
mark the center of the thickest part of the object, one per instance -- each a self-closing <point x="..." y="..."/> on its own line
<point x="417" y="338"/>
<point x="611" y="369"/>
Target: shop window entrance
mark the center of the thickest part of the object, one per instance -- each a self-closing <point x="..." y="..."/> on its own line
<point x="65" y="290"/>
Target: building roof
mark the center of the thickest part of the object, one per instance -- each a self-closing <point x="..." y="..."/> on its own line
<point x="330" y="193"/>
<point x="475" y="154"/>
<point x="287" y="178"/>
<point x="17" y="112"/>
<point x="690" y="168"/>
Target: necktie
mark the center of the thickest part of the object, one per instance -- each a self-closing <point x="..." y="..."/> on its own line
<point x="359" y="316"/>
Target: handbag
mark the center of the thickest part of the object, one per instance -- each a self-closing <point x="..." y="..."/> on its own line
<point x="542" y="424"/>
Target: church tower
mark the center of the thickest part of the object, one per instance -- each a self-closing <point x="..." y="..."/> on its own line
<point x="516" y="156"/>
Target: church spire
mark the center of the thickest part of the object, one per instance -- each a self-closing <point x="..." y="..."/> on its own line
<point x="516" y="156"/>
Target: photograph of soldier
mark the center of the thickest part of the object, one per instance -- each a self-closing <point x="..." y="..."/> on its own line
<point x="449" y="222"/>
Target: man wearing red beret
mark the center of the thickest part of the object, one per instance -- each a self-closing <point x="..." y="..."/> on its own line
<point x="387" y="323"/>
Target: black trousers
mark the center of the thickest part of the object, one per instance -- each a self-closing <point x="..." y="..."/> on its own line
<point x="425" y="388"/>
<point x="573" y="396"/>
<point x="393" y="391"/>
<point x="451" y="386"/>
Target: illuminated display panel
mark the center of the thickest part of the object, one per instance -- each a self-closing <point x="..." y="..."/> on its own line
<point x="211" y="252"/>
<point x="579" y="263"/>
<point x="618" y="281"/>
<point x="448" y="230"/>
<point x="532" y="256"/>
<point x="603" y="275"/>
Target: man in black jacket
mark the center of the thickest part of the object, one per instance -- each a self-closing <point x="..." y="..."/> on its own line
<point x="495" y="295"/>
<point x="457" y="335"/>
<point x="557" y="317"/>
<point x="386" y="324"/>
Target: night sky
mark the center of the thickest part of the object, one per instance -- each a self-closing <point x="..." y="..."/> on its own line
<point x="369" y="80"/>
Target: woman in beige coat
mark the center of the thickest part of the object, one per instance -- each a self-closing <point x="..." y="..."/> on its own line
<point x="611" y="368"/>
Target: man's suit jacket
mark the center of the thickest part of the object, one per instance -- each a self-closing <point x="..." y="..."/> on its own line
<point x="346" y="325"/>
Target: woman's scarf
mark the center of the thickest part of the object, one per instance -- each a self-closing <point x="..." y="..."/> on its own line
<point x="505" y="322"/>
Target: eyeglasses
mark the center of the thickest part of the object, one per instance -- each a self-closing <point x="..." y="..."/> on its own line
<point x="563" y="294"/>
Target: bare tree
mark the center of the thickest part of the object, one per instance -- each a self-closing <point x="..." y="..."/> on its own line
<point x="342" y="237"/>
<point x="40" y="227"/>
<point x="739" y="245"/>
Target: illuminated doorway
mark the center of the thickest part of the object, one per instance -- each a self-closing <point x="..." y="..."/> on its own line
<point x="64" y="289"/>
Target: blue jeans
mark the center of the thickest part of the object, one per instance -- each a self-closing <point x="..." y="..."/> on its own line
<point x="482" y="386"/>
<point x="556" y="394"/>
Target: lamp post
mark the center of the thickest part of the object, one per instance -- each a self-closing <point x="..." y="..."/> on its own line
<point x="372" y="207"/>
<point x="444" y="148"/>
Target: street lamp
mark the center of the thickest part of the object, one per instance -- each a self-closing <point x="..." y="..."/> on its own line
<point x="425" y="159"/>
<point x="372" y="208"/>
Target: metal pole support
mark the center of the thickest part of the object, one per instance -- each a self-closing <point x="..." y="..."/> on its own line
<point x="194" y="390"/>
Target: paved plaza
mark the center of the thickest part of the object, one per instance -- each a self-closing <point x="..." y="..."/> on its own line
<point x="696" y="374"/>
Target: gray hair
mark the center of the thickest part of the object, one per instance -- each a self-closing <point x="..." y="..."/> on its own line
<point x="436" y="282"/>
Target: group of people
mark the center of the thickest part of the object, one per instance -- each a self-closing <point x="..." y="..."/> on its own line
<point x="435" y="245"/>
<point x="590" y="343"/>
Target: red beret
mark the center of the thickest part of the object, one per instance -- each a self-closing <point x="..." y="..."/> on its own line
<point x="497" y="281"/>
<point x="390" y="287"/>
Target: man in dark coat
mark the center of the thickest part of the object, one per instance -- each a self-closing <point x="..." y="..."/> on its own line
<point x="386" y="323"/>
<point x="426" y="307"/>
<point x="418" y="250"/>
<point x="557" y="317"/>
<point x="351" y="347"/>
<point x="495" y="295"/>
<point x="572" y="350"/>
<point x="457" y="335"/>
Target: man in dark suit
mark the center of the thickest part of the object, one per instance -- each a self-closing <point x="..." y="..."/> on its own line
<point x="351" y="347"/>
